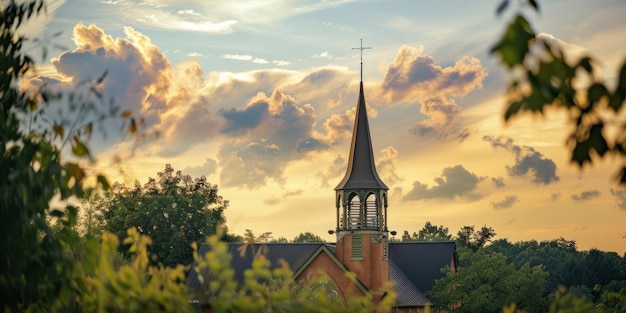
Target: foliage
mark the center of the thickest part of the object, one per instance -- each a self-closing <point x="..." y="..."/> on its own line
<point x="174" y="211"/>
<point x="36" y="273"/>
<point x="307" y="237"/>
<point x="543" y="76"/>
<point x="133" y="287"/>
<point x="582" y="272"/>
<point x="485" y="282"/>
<point x="266" y="290"/>
<point x="429" y="232"/>
<point x="468" y="237"/>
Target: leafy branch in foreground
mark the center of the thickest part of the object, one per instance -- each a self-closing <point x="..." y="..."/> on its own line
<point x="543" y="76"/>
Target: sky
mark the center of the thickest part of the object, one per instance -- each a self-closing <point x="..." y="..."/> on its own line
<point x="259" y="97"/>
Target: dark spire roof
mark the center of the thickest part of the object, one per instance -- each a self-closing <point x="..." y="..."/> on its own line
<point x="361" y="172"/>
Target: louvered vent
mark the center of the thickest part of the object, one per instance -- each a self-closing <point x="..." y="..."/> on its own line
<point x="357" y="247"/>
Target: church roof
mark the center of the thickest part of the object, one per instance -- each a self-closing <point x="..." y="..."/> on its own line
<point x="295" y="254"/>
<point x="407" y="294"/>
<point x="422" y="261"/>
<point x="413" y="266"/>
<point x="361" y="172"/>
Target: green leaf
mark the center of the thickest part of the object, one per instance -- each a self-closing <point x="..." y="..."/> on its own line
<point x="102" y="180"/>
<point x="514" y="44"/>
<point x="618" y="97"/>
<point x="59" y="131"/>
<point x="596" y="92"/>
<point x="596" y="140"/>
<point x="56" y="213"/>
<point x="585" y="63"/>
<point x="580" y="154"/>
<point x="78" y="148"/>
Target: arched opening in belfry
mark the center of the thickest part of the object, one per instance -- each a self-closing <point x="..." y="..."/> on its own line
<point x="354" y="211"/>
<point x="372" y="217"/>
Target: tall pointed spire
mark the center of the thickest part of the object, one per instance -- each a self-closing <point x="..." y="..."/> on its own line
<point x="361" y="172"/>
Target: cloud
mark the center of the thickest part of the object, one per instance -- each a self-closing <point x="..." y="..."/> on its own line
<point x="333" y="172"/>
<point x="172" y="17"/>
<point x="508" y="202"/>
<point x="137" y="70"/>
<point x="586" y="195"/>
<point x="386" y="166"/>
<point x="323" y="55"/>
<point x="528" y="161"/>
<point x="498" y="182"/>
<point x="455" y="182"/>
<point x="266" y="135"/>
<point x="285" y="195"/>
<point x="280" y="62"/>
<point x="207" y="168"/>
<point x="555" y="196"/>
<point x="240" y="57"/>
<point x="621" y="197"/>
<point x="414" y="77"/>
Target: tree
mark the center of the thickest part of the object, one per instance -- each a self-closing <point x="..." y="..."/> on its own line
<point x="543" y="76"/>
<point x="36" y="273"/>
<point x="468" y="237"/>
<point x="307" y="237"/>
<point x="173" y="211"/>
<point x="429" y="232"/>
<point x="485" y="282"/>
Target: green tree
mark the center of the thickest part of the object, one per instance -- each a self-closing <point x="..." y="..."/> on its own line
<point x="429" y="232"/>
<point x="543" y="76"/>
<point x="468" y="237"/>
<point x="280" y="239"/>
<point x="173" y="211"/>
<point x="307" y="237"/>
<point x="36" y="272"/>
<point x="485" y="282"/>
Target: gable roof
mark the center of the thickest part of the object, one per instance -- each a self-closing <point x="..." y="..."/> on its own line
<point x="295" y="254"/>
<point x="413" y="266"/>
<point x="407" y="294"/>
<point x="421" y="261"/>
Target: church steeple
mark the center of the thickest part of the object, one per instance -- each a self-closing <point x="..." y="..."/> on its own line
<point x="361" y="202"/>
<point x="361" y="196"/>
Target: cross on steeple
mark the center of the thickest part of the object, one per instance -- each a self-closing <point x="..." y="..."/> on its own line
<point x="361" y="48"/>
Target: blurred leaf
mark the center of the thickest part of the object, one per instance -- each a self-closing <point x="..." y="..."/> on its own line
<point x="59" y="131"/>
<point x="102" y="180"/>
<point x="596" y="139"/>
<point x="126" y="113"/>
<point x="101" y="78"/>
<point x="585" y="63"/>
<point x="133" y="126"/>
<point x="596" y="92"/>
<point x="514" y="44"/>
<point x="79" y="148"/>
<point x="580" y="153"/>
<point x="503" y="5"/>
<point x="56" y="213"/>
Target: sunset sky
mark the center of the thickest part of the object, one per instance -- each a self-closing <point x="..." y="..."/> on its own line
<point x="259" y="96"/>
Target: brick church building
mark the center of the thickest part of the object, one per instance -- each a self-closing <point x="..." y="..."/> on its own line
<point x="362" y="246"/>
